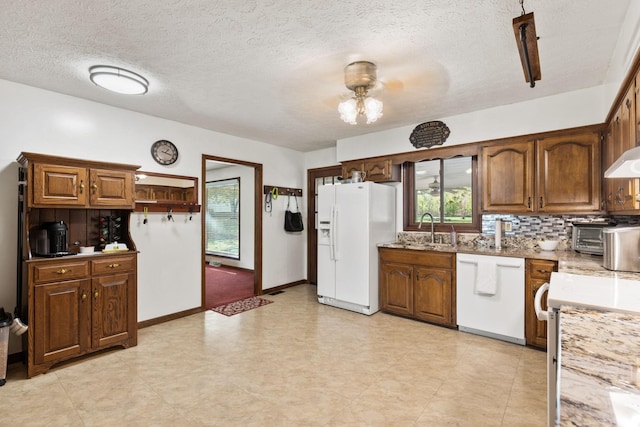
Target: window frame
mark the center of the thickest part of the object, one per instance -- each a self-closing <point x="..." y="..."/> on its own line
<point x="410" y="224"/>
<point x="205" y="196"/>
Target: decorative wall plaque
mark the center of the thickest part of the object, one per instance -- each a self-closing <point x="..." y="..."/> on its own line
<point x="429" y="134"/>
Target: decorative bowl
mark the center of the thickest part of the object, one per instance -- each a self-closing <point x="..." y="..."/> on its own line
<point x="548" y="245"/>
<point x="86" y="249"/>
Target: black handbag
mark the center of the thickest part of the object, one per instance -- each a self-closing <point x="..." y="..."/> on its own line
<point x="293" y="220"/>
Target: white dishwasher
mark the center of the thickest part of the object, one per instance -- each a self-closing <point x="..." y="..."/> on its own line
<point x="490" y="296"/>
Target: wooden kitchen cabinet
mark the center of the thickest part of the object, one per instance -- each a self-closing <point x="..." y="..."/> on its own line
<point x="75" y="304"/>
<point x="508" y="177"/>
<point x="418" y="284"/>
<point x="377" y="170"/>
<point x="537" y="273"/>
<point x="78" y="307"/>
<point x="568" y="173"/>
<point x="622" y="194"/>
<point x="557" y="174"/>
<point x="73" y="183"/>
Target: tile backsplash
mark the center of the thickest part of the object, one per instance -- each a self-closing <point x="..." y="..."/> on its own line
<point x="546" y="226"/>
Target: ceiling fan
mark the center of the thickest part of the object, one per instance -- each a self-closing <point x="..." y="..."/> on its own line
<point x="434" y="187"/>
<point x="360" y="77"/>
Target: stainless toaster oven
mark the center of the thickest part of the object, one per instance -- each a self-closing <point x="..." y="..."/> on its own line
<point x="588" y="237"/>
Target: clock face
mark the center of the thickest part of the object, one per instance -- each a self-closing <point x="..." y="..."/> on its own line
<point x="164" y="152"/>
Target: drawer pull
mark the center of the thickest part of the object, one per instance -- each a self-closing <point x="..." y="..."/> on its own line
<point x="95" y="295"/>
<point x="543" y="271"/>
<point x="63" y="271"/>
<point x="81" y="186"/>
<point x="114" y="265"/>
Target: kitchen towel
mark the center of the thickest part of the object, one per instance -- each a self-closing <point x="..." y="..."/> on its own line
<point x="486" y="278"/>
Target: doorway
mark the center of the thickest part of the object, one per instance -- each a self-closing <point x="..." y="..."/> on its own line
<point x="315" y="179"/>
<point x="254" y="233"/>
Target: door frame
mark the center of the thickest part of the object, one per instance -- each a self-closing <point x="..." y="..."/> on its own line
<point x="312" y="233"/>
<point x="257" y="222"/>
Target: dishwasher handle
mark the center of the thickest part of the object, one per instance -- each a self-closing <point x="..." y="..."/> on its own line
<point x="537" y="303"/>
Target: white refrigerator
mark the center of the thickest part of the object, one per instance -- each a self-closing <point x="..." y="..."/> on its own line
<point x="352" y="220"/>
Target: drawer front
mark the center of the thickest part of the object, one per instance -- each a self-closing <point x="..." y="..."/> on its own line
<point x="428" y="258"/>
<point x="59" y="271"/>
<point x="115" y="264"/>
<point x="541" y="269"/>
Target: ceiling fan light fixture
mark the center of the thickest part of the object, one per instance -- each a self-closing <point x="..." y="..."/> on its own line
<point x="118" y="80"/>
<point x="360" y="76"/>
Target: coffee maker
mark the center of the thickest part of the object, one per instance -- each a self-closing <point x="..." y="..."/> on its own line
<point x="51" y="239"/>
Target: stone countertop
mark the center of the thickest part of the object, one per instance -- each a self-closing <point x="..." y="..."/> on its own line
<point x="569" y="261"/>
<point x="600" y="378"/>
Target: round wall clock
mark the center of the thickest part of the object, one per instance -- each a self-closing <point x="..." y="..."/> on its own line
<point x="164" y="152"/>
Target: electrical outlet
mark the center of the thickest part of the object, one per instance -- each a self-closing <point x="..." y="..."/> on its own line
<point x="507" y="226"/>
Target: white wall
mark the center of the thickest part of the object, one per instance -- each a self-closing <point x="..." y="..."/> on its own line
<point x="169" y="278"/>
<point x="247" y="209"/>
<point x="567" y="110"/>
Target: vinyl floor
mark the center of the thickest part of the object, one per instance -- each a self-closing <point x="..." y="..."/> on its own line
<point x="291" y="363"/>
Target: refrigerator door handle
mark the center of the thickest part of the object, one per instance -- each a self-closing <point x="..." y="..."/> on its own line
<point x="334" y="232"/>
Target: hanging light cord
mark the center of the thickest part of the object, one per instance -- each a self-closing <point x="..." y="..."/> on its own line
<point x="522" y="6"/>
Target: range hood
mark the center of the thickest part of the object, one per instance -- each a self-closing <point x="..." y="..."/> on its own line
<point x="627" y="165"/>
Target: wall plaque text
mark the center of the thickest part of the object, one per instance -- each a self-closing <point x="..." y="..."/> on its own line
<point x="429" y="134"/>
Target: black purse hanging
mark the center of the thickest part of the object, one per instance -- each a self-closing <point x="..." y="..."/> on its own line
<point x="293" y="220"/>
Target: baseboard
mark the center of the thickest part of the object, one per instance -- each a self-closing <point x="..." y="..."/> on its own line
<point x="168" y="317"/>
<point x="281" y="287"/>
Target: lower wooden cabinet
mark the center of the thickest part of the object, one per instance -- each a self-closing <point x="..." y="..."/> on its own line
<point x="79" y="305"/>
<point x="538" y="272"/>
<point x="418" y="284"/>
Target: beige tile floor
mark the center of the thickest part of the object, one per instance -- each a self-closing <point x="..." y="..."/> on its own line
<point x="291" y="363"/>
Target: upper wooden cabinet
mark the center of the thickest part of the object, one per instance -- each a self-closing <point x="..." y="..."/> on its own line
<point x="568" y="173"/>
<point x="507" y="177"/>
<point x="557" y="174"/>
<point x="379" y="170"/>
<point x="73" y="183"/>
<point x="622" y="194"/>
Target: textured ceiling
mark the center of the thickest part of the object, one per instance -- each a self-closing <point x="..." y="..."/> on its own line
<point x="272" y="70"/>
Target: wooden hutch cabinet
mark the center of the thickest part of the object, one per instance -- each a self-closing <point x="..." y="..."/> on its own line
<point x="78" y="303"/>
<point x="418" y="284"/>
<point x="559" y="173"/>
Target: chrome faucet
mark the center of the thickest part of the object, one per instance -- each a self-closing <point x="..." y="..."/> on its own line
<point x="420" y="225"/>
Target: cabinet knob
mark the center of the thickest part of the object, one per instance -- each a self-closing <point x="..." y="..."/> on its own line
<point x="94" y="186"/>
<point x="81" y="186"/>
<point x="84" y="296"/>
<point x="543" y="271"/>
<point x="63" y="271"/>
<point x="114" y="265"/>
<point x="529" y="202"/>
<point x="96" y="294"/>
<point x="541" y="203"/>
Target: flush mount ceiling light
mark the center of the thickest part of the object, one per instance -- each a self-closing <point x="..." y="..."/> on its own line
<point x="360" y="77"/>
<point x="118" y="80"/>
<point x="524" y="28"/>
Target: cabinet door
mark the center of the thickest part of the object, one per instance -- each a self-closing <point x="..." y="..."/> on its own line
<point x="396" y="288"/>
<point x="507" y="177"/>
<point x="349" y="167"/>
<point x="379" y="170"/>
<point x="61" y="320"/>
<point x="59" y="185"/>
<point x="112" y="188"/>
<point x="568" y="173"/>
<point x="433" y="296"/>
<point x="538" y="273"/>
<point x="111" y="310"/>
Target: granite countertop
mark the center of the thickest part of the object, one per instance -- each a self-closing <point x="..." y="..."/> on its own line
<point x="600" y="382"/>
<point x="568" y="260"/>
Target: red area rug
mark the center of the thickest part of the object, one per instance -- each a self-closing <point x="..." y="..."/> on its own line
<point x="241" y="306"/>
<point x="227" y="284"/>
